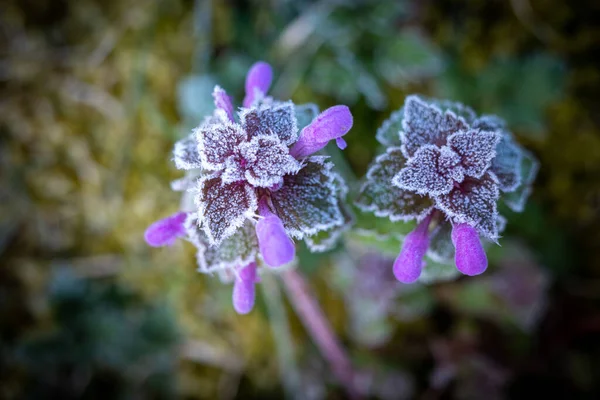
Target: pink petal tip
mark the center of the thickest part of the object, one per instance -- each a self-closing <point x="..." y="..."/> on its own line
<point x="470" y="257"/>
<point x="331" y="124"/>
<point x="164" y="232"/>
<point x="409" y="264"/>
<point x="258" y="81"/>
<point x="275" y="246"/>
<point x="244" y="292"/>
<point x="223" y="101"/>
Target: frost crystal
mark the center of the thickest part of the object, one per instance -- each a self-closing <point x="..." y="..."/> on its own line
<point x="234" y="160"/>
<point x="476" y="150"/>
<point x="277" y="119"/>
<point x="385" y="200"/>
<point x="267" y="161"/>
<point x="431" y="171"/>
<point x="426" y="124"/>
<point x="224" y="207"/>
<point x="474" y="203"/>
<point x="307" y="201"/>
<point x="446" y="165"/>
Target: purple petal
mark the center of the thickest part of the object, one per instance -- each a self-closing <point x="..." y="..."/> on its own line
<point x="164" y="232"/>
<point x="275" y="246"/>
<point x="243" y="289"/>
<point x="470" y="258"/>
<point x="223" y="101"/>
<point x="341" y="143"/>
<point x="258" y="81"/>
<point x="331" y="124"/>
<point x="409" y="264"/>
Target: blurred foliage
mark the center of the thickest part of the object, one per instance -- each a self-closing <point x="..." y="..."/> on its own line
<point x="95" y="93"/>
<point x="104" y="342"/>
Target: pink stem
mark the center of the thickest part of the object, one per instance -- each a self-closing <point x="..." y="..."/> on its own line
<point x="319" y="329"/>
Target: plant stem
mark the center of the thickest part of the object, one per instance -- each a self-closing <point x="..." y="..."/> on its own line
<point x="320" y="330"/>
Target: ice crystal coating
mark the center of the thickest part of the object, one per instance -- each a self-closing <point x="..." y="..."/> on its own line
<point x="385" y="200"/>
<point x="431" y="171"/>
<point x="224" y="207"/>
<point x="388" y="133"/>
<point x="217" y="142"/>
<point x="474" y="203"/>
<point x="223" y="101"/>
<point x="528" y="171"/>
<point x="446" y="163"/>
<point x="234" y="159"/>
<point x="186" y="155"/>
<point x="507" y="164"/>
<point x="426" y="124"/>
<point x="476" y="150"/>
<point x="243" y="289"/>
<point x="239" y="249"/>
<point x="166" y="231"/>
<point x="307" y="201"/>
<point x="327" y="239"/>
<point x="274" y="119"/>
<point x="267" y="161"/>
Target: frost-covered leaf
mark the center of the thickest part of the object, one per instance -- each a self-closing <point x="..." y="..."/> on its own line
<point x="516" y="200"/>
<point x="501" y="223"/>
<point x="474" y="203"/>
<point x="489" y="123"/>
<point x="426" y="124"/>
<point x="461" y="110"/>
<point x="327" y="239"/>
<point x="529" y="168"/>
<point x="441" y="248"/>
<point x="234" y="169"/>
<point x="379" y="196"/>
<point x="185" y="153"/>
<point x="307" y="201"/>
<point x="189" y="181"/>
<point x="431" y="171"/>
<point x="267" y="161"/>
<point x="237" y="250"/>
<point x="278" y="119"/>
<point x="507" y="164"/>
<point x="222" y="208"/>
<point x="476" y="150"/>
<point x="217" y="142"/>
<point x="305" y="113"/>
<point x="388" y="133"/>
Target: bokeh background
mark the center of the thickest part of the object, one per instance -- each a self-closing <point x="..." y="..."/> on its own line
<point x="93" y="95"/>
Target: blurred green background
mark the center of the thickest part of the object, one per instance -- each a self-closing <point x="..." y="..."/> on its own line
<point x="93" y="96"/>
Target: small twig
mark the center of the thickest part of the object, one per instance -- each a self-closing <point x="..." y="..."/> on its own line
<point x="319" y="329"/>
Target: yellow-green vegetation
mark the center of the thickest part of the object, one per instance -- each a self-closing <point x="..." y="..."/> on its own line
<point x="94" y="94"/>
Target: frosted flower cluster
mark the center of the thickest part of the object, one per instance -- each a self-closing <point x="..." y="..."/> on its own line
<point x="256" y="185"/>
<point x="447" y="168"/>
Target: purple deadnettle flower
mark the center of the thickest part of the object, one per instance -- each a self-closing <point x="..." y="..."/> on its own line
<point x="256" y="185"/>
<point x="446" y="168"/>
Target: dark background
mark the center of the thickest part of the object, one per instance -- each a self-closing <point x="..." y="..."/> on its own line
<point x="93" y="95"/>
